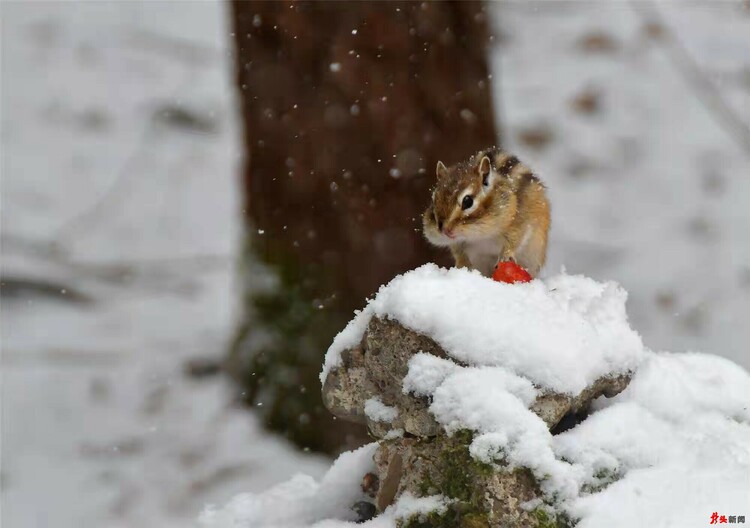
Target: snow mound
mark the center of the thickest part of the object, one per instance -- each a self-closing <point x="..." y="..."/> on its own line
<point x="303" y="503"/>
<point x="672" y="448"/>
<point x="561" y="333"/>
<point x="682" y="414"/>
<point x="677" y="442"/>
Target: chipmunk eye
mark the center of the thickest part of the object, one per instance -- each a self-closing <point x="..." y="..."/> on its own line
<point x="467" y="202"/>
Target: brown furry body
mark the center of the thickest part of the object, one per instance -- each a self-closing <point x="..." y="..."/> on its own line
<point x="507" y="217"/>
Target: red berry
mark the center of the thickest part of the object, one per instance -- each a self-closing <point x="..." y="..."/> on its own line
<point x="510" y="272"/>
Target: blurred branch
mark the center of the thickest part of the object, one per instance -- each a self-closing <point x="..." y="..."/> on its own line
<point x="18" y="286"/>
<point x="175" y="48"/>
<point x="695" y="77"/>
<point x="159" y="274"/>
<point x="188" y="263"/>
<point x="66" y="357"/>
<point x="45" y="250"/>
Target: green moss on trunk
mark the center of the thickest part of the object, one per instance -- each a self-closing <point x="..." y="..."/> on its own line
<point x="276" y="353"/>
<point x="319" y="179"/>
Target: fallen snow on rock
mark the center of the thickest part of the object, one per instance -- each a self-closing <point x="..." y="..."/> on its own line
<point x="561" y="333"/>
<point x="300" y="501"/>
<point x="377" y="411"/>
<point x="303" y="502"/>
<point x="678" y="440"/>
<point x="494" y="403"/>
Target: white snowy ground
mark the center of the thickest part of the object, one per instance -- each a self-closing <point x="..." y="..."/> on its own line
<point x="100" y="428"/>
<point x="107" y="197"/>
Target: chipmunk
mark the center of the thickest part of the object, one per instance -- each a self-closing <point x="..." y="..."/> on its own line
<point x="488" y="210"/>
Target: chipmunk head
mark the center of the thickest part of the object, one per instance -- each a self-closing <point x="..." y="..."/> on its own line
<point x="470" y="199"/>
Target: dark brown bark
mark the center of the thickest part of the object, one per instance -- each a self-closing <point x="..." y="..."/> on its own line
<point x="347" y="107"/>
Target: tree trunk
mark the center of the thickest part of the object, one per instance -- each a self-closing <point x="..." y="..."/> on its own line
<point x="347" y="108"/>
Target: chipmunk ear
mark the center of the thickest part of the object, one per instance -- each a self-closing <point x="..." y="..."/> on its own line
<point x="484" y="167"/>
<point x="441" y="170"/>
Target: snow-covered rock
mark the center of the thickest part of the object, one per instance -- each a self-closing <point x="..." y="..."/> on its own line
<point x="386" y="381"/>
<point x="463" y="380"/>
<point x="555" y="337"/>
<point x="562" y="333"/>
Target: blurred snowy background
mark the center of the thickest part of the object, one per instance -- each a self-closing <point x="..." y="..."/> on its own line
<point x="121" y="225"/>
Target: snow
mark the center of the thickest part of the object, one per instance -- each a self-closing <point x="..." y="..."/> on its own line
<point x="303" y="502"/>
<point x="134" y="223"/>
<point x="680" y="435"/>
<point x="688" y="384"/>
<point x="426" y="373"/>
<point x="300" y="501"/>
<point x="377" y="411"/>
<point x="408" y="506"/>
<point x="575" y="329"/>
<point x="693" y="494"/>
